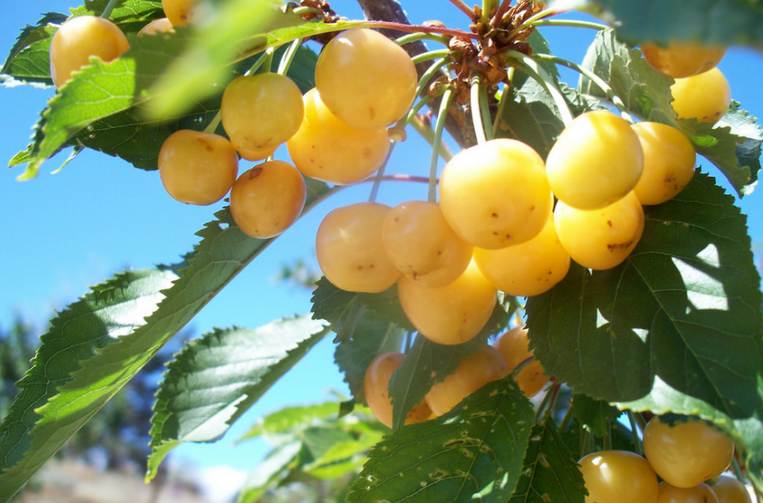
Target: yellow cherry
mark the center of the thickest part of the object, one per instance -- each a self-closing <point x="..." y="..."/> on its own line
<point x="697" y="494"/>
<point x="669" y="161"/>
<point x="450" y="314"/>
<point x="422" y="245"/>
<point x="705" y="97"/>
<point x="157" y="27"/>
<point x="328" y="149"/>
<point x="376" y="388"/>
<point x="179" y="12"/>
<point x="366" y="79"/>
<point x="688" y="453"/>
<point x="618" y="477"/>
<point x="600" y="239"/>
<point x="267" y="199"/>
<point x="475" y="371"/>
<point x="196" y="167"/>
<point x="350" y="249"/>
<point x="514" y="348"/>
<point x="595" y="161"/>
<point x="527" y="269"/>
<point x="730" y="490"/>
<point x="81" y="38"/>
<point x="496" y="194"/>
<point x="680" y="59"/>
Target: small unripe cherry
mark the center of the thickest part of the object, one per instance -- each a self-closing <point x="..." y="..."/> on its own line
<point x="595" y="161"/>
<point x="196" y="167"/>
<point x="680" y="59"/>
<point x="450" y="314"/>
<point x="701" y="493"/>
<point x="603" y="238"/>
<point x="326" y="148"/>
<point x="350" y="249"/>
<point x="475" y="371"/>
<point x="376" y="389"/>
<point x="260" y="112"/>
<point x="669" y="161"/>
<point x="618" y="477"/>
<point x="422" y="245"/>
<point x="81" y="38"/>
<point x="514" y="348"/>
<point x="529" y="268"/>
<point x="366" y="79"/>
<point x="157" y="27"/>
<point x="496" y="194"/>
<point x="686" y="454"/>
<point x="730" y="490"/>
<point x="267" y="199"/>
<point x="705" y="97"/>
<point x="179" y="12"/>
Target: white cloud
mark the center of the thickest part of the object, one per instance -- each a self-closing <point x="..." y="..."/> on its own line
<point x="221" y="483"/>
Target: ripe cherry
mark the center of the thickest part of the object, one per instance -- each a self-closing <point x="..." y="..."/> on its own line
<point x="474" y="372"/>
<point x="730" y="490"/>
<point x="688" y="453"/>
<point x="496" y="194"/>
<point x="260" y="112"/>
<point x="422" y="245"/>
<point x="179" y="12"/>
<point x="669" y="161"/>
<point x="376" y="388"/>
<point x="618" y="477"/>
<point x="679" y="59"/>
<point x="529" y="268"/>
<point x="450" y="314"/>
<point x="366" y="79"/>
<point x="328" y="149"/>
<point x="600" y="239"/>
<point x="267" y="199"/>
<point x="350" y="249"/>
<point x="196" y="167"/>
<point x="157" y="27"/>
<point x="705" y="97"/>
<point x="81" y="38"/>
<point x="697" y="494"/>
<point x="514" y="348"/>
<point x="596" y="161"/>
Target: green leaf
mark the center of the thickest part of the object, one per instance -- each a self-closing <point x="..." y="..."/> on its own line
<point x="74" y="375"/>
<point x="365" y="326"/>
<point x="677" y="327"/>
<point x="215" y="379"/>
<point x="550" y="473"/>
<point x="720" y="22"/>
<point x="427" y="363"/>
<point x="28" y="61"/>
<point x="289" y="419"/>
<point x="731" y="145"/>
<point x="476" y="449"/>
<point x="343" y="456"/>
<point x="595" y="415"/>
<point x="270" y="472"/>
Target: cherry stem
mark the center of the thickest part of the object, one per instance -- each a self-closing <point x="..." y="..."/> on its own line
<point x="546" y="407"/>
<point x="109" y="8"/>
<point x="539" y="74"/>
<point x="504" y="99"/>
<point x="419" y="36"/>
<point x="426" y="132"/>
<point x="428" y="75"/>
<point x="412" y="28"/>
<point x="380" y="176"/>
<point x="463" y="8"/>
<point x="488" y="8"/>
<point x="447" y="100"/>
<point x="589" y="74"/>
<point x="288" y="56"/>
<point x="537" y="17"/>
<point x="571" y="22"/>
<point x="635" y="433"/>
<point x="483" y="125"/>
<point x="398" y="178"/>
<point x="430" y="55"/>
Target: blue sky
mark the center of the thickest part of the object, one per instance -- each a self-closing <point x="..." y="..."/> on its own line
<point x="65" y="232"/>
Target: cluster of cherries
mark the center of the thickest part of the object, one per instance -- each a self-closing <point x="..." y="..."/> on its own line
<point x="689" y="457"/>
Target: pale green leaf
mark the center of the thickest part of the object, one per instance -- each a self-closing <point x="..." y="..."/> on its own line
<point x="218" y="377"/>
<point x="270" y="472"/>
<point x="289" y="419"/>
